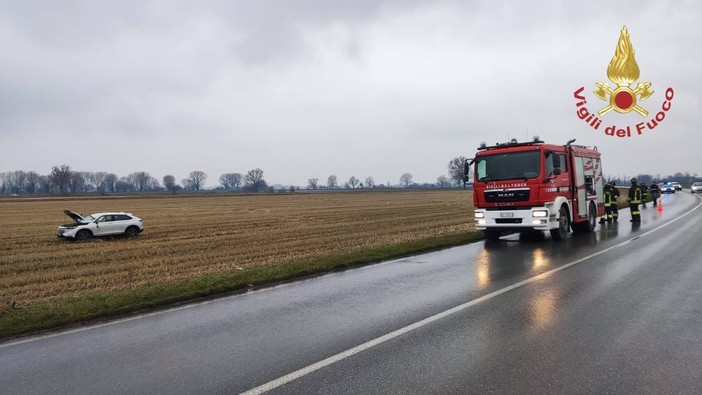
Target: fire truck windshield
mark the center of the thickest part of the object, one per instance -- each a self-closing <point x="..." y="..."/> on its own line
<point x="508" y="166"/>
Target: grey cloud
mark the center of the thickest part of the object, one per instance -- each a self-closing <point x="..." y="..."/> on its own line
<point x="310" y="88"/>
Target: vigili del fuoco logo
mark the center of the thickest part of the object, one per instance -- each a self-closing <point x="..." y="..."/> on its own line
<point x="623" y="71"/>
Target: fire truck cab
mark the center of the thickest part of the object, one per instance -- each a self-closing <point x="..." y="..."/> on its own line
<point x="533" y="186"/>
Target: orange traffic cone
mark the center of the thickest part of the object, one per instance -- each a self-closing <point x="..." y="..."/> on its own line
<point x="660" y="205"/>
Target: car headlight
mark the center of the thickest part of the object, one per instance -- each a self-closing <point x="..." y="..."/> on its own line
<point x="479" y="215"/>
<point x="539" y="213"/>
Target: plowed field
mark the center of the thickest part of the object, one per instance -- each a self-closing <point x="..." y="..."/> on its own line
<point x="190" y="236"/>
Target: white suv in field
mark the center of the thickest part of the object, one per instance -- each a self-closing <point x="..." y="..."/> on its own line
<point x="100" y="224"/>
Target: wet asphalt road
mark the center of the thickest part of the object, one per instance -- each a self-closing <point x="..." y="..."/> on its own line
<point x="625" y="320"/>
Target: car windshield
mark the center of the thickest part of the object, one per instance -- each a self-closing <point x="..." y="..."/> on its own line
<point x="508" y="166"/>
<point x="88" y="219"/>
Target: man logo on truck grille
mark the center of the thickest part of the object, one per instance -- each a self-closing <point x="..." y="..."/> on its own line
<point x="623" y="71"/>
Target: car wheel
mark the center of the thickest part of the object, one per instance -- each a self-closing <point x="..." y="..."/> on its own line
<point x="561" y="232"/>
<point x="83" y="235"/>
<point x="131" y="231"/>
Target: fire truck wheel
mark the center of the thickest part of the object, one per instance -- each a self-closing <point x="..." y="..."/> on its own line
<point x="563" y="224"/>
<point x="589" y="225"/>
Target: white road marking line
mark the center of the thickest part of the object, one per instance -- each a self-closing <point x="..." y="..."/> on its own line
<point x="382" y="339"/>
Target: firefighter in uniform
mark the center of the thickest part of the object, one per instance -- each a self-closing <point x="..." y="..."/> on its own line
<point x="615" y="200"/>
<point x="608" y="203"/>
<point x="655" y="193"/>
<point x="635" y="200"/>
<point x="608" y="195"/>
<point x="644" y="193"/>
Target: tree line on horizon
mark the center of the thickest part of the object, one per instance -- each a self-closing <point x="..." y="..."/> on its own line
<point x="63" y="180"/>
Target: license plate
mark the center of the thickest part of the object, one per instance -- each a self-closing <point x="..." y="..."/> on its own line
<point x="507" y="215"/>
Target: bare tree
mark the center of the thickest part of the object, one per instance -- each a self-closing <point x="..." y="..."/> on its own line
<point x="406" y="179"/>
<point x="31" y="184"/>
<point x="169" y="183"/>
<point x="153" y="184"/>
<point x="236" y="179"/>
<point x="111" y="182"/>
<point x="353" y="182"/>
<point x="138" y="181"/>
<point x="45" y="184"/>
<point x="20" y="180"/>
<point x="122" y="185"/>
<point x="331" y="182"/>
<point x="131" y="179"/>
<point x="143" y="181"/>
<point x="254" y="180"/>
<point x="230" y="180"/>
<point x="61" y="177"/>
<point x="197" y="179"/>
<point x="77" y="182"/>
<point x="370" y="183"/>
<point x="312" y="183"/>
<point x="442" y="180"/>
<point x="224" y="182"/>
<point x="13" y="181"/>
<point x="87" y="181"/>
<point x="98" y="178"/>
<point x="456" y="169"/>
<point x="187" y="184"/>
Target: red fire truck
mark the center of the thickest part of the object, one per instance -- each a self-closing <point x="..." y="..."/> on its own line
<point x="533" y="186"/>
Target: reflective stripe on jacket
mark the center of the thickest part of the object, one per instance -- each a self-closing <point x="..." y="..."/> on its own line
<point x="635" y="195"/>
<point x="607" y="198"/>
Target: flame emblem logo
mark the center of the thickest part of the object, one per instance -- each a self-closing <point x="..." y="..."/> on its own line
<point x="623" y="71"/>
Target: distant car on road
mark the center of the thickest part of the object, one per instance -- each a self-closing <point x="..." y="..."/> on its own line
<point x="696" y="187"/>
<point x="677" y="186"/>
<point x="667" y="187"/>
<point x="100" y="224"/>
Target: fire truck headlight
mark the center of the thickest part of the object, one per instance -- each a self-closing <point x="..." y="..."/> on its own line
<point x="481" y="222"/>
<point x="479" y="215"/>
<point x="539" y="213"/>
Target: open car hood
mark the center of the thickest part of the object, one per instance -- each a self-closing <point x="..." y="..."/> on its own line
<point x="76" y="217"/>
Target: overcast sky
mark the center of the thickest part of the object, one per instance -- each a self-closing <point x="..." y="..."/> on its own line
<point x="359" y="88"/>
